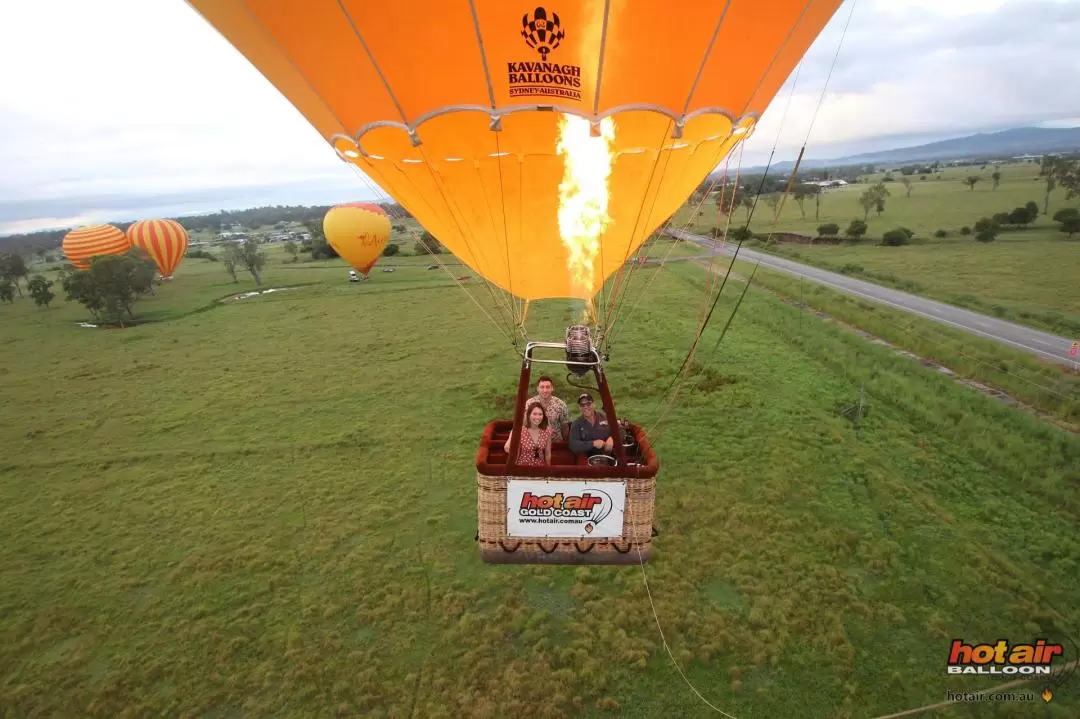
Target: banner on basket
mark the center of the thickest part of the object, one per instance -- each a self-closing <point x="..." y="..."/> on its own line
<point x="541" y="508"/>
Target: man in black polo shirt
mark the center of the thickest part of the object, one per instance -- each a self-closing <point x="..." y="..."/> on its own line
<point x="590" y="433"/>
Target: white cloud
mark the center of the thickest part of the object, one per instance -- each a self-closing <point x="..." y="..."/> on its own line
<point x="112" y="106"/>
<point x="927" y="66"/>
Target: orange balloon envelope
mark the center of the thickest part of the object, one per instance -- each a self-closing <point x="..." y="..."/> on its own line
<point x="83" y="243"/>
<point x="541" y="145"/>
<point x="165" y="241"/>
<point x="358" y="231"/>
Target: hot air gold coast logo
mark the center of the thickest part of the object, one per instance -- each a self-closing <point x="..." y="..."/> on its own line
<point x="543" y="32"/>
<point x="545" y="508"/>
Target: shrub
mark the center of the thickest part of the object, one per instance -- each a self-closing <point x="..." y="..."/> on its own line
<point x="740" y="234"/>
<point x="829" y="230"/>
<point x="895" y="238"/>
<point x="986" y="229"/>
<point x="965" y="230"/>
<point x="390" y="250"/>
<point x="856" y="229"/>
<point x="941" y="233"/>
<point x="1062" y="215"/>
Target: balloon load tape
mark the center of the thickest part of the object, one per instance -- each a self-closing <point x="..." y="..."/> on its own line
<point x="579" y="348"/>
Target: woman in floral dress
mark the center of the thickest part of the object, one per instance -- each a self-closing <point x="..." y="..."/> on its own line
<point x="534" y="450"/>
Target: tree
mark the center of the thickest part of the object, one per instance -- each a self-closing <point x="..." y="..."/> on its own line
<point x="1021" y="216"/>
<point x="972" y="180"/>
<point x="1070" y="225"/>
<point x="985" y="230"/>
<point x="390" y="250"/>
<point x="80" y="286"/>
<point x="1051" y="169"/>
<point x="867" y="201"/>
<point x="428" y="243"/>
<point x="895" y="238"/>
<point x="906" y="181"/>
<point x="800" y="192"/>
<point x="144" y="273"/>
<point x="320" y="248"/>
<point x="12" y="267"/>
<point x="116" y="276"/>
<point x="1032" y="210"/>
<point x="290" y="249"/>
<point x="830" y="229"/>
<point x="229" y="258"/>
<point x="108" y="288"/>
<point x="1068" y="174"/>
<point x="996" y="177"/>
<point x="250" y="256"/>
<point x="856" y="229"/>
<point x="1062" y="215"/>
<point x="7" y="290"/>
<point x="727" y="202"/>
<point x="39" y="290"/>
<point x="874" y="198"/>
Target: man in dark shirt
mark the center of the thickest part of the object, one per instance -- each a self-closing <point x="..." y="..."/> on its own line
<point x="590" y="433"/>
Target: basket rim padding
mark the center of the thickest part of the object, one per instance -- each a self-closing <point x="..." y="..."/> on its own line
<point x="580" y="470"/>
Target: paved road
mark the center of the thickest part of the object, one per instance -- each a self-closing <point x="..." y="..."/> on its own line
<point x="1041" y="344"/>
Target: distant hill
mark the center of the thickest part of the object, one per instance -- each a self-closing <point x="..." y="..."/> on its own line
<point x="1007" y="143"/>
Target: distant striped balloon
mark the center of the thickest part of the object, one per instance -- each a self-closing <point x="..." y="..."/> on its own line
<point x="82" y="243"/>
<point x="165" y="241"/>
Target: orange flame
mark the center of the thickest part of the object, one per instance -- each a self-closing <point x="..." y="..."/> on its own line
<point x="1047" y="695"/>
<point x="583" y="197"/>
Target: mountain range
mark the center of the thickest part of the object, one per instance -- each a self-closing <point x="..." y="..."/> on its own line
<point x="1003" y="144"/>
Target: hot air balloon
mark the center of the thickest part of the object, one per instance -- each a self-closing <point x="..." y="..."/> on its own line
<point x="165" y="241"/>
<point x="358" y="231"/>
<point x="83" y="243"/>
<point x="542" y="145"/>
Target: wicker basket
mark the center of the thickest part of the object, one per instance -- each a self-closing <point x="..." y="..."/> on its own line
<point x="637" y="483"/>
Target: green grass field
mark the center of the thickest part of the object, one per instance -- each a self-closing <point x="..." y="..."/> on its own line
<point x="1026" y="276"/>
<point x="266" y="507"/>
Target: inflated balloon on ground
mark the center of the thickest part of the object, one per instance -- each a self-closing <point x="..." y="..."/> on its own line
<point x="358" y="231"/>
<point x="83" y="243"/>
<point x="165" y="241"/>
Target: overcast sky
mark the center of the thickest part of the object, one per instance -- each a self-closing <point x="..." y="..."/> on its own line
<point x="117" y="109"/>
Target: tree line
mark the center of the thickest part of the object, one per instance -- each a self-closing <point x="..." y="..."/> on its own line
<point x="254" y="218"/>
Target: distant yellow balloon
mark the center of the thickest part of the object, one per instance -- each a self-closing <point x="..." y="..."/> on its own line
<point x="358" y="231"/>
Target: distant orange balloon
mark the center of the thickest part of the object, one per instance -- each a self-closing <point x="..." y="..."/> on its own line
<point x="358" y="231"/>
<point x="83" y="243"/>
<point x="165" y="241"/>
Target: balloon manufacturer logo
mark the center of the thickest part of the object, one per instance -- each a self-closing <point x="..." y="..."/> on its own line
<point x="541" y="33"/>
